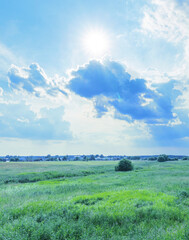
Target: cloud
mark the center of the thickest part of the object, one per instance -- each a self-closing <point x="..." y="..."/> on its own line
<point x="102" y="133"/>
<point x="169" y="20"/>
<point x="104" y="86"/>
<point x="34" y="109"/>
<point x="109" y="85"/>
<point x="18" y="121"/>
<point x="93" y="79"/>
<point x="34" y="81"/>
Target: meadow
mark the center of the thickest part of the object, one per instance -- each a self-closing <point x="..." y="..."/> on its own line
<point x="90" y="200"/>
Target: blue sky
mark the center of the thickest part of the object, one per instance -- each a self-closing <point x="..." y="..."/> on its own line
<point x="92" y="77"/>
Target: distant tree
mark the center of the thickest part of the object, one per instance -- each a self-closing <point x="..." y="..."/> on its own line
<point x="57" y="158"/>
<point x="135" y="157"/>
<point x="65" y="158"/>
<point x="85" y="158"/>
<point x="173" y="159"/>
<point x="185" y="158"/>
<point x="92" y="157"/>
<point x="14" y="159"/>
<point x="124" y="165"/>
<point x="163" y="158"/>
<point x="152" y="158"/>
<point x="37" y="159"/>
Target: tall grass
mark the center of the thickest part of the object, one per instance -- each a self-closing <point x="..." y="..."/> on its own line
<point x="89" y="200"/>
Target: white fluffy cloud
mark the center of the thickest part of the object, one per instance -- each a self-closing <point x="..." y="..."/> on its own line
<point x="108" y="84"/>
<point x="169" y="20"/>
<point x="35" y="107"/>
<point x="33" y="80"/>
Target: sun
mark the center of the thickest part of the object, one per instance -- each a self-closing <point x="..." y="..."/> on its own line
<point x="96" y="43"/>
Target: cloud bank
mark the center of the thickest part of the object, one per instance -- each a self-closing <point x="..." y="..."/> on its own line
<point x="111" y="88"/>
<point x="112" y="92"/>
<point x="109" y="85"/>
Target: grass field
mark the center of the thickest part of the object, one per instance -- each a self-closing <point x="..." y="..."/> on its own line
<point x="89" y="200"/>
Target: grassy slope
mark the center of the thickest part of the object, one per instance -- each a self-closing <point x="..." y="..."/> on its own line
<point x="89" y="200"/>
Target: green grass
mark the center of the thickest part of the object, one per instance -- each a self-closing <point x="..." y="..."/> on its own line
<point x="89" y="200"/>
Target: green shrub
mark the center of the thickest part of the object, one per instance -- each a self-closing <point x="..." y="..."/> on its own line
<point x="124" y="165"/>
<point x="163" y="158"/>
<point x="183" y="194"/>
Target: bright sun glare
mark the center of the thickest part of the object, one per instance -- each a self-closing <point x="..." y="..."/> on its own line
<point x="96" y="43"/>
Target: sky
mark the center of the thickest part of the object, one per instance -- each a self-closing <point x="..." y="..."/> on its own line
<point x="94" y="77"/>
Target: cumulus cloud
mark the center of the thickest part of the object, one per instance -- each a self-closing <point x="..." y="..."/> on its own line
<point x="169" y="20"/>
<point x="109" y="85"/>
<point x="34" y="80"/>
<point x="37" y="111"/>
<point x="18" y="121"/>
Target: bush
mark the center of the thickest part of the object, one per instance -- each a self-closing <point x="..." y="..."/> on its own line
<point x="183" y="194"/>
<point x="163" y="158"/>
<point x="124" y="165"/>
